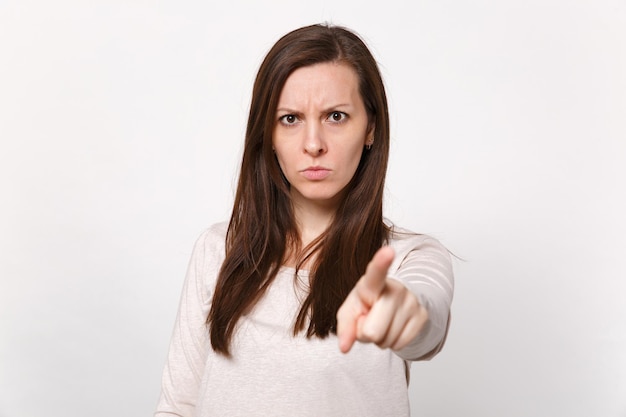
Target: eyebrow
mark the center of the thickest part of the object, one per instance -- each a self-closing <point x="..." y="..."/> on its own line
<point x="327" y="110"/>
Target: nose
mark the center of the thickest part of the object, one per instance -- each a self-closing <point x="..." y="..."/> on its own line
<point x="314" y="143"/>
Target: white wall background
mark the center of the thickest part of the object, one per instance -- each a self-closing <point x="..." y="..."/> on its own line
<point x="121" y="125"/>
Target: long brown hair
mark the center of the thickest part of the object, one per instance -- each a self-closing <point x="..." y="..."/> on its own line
<point x="262" y="228"/>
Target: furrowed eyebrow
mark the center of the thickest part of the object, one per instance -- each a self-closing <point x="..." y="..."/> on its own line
<point x="329" y="109"/>
<point x="335" y="108"/>
<point x="288" y="111"/>
<point x="281" y="114"/>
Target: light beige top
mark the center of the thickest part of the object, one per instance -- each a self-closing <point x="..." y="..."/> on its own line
<point x="273" y="373"/>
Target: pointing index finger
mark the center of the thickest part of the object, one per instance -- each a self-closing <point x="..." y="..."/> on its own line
<point x="372" y="283"/>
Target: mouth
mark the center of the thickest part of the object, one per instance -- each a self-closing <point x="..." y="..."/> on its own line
<point x="315" y="173"/>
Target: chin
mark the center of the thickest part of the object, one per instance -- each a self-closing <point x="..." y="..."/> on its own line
<point x="322" y="196"/>
<point x="322" y="199"/>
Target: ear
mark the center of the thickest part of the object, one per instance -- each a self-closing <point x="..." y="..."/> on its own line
<point x="369" y="136"/>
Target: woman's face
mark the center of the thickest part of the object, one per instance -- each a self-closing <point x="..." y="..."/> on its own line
<point x="320" y="132"/>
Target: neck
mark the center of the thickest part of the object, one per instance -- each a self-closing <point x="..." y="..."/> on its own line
<point x="312" y="221"/>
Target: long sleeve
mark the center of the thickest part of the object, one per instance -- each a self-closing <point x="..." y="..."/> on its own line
<point x="184" y="368"/>
<point x="425" y="268"/>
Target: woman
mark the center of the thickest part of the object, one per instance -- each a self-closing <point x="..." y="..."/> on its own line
<point x="307" y="303"/>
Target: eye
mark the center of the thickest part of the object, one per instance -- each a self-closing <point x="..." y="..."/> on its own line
<point x="288" y="119"/>
<point x="337" y="116"/>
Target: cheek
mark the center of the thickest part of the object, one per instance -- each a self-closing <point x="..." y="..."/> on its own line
<point x="281" y="161"/>
<point x="356" y="151"/>
<point x="356" y="161"/>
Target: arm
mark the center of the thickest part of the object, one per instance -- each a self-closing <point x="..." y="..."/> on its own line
<point x="189" y="344"/>
<point x="402" y="305"/>
<point x="427" y="273"/>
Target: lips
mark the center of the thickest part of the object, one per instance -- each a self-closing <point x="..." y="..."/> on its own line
<point x="315" y="173"/>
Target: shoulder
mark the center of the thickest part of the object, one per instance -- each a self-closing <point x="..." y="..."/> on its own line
<point x="209" y="249"/>
<point x="409" y="244"/>
<point x="402" y="240"/>
<point x="213" y="236"/>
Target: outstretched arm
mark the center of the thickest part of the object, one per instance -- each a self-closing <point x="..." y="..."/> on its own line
<point x="407" y="309"/>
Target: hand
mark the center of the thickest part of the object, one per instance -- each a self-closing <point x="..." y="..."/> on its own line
<point x="379" y="310"/>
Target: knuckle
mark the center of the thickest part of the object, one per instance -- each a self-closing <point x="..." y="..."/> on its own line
<point x="373" y="334"/>
<point x="400" y="344"/>
<point x="384" y="344"/>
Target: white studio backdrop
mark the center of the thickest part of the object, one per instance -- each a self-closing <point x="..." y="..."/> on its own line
<point x="121" y="125"/>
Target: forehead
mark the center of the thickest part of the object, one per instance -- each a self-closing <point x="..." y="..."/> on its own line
<point x="322" y="83"/>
